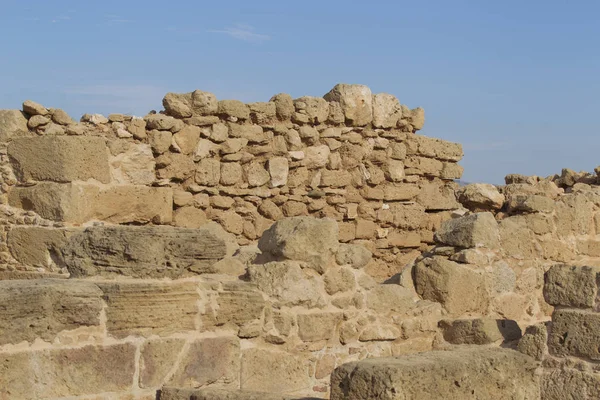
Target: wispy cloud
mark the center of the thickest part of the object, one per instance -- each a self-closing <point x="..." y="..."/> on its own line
<point x="117" y="19"/>
<point x="61" y="18"/>
<point x="243" y="32"/>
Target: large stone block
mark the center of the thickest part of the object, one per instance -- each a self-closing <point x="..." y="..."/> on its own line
<point x="48" y="374"/>
<point x="437" y="196"/>
<point x="60" y="158"/>
<point x="146" y="251"/>
<point x="575" y="333"/>
<point x="82" y="202"/>
<point x="317" y="326"/>
<point x="569" y="383"/>
<point x="42" y="308"/>
<point x="157" y="358"/>
<point x="12" y="123"/>
<point x="481" y="197"/>
<point x="356" y="102"/>
<point x="274" y="371"/>
<point x="475" y="230"/>
<point x="149" y="308"/>
<point x="171" y="393"/>
<point x="424" y="146"/>
<point x="312" y="240"/>
<point x="572" y="286"/>
<point x="210" y="361"/>
<point x="465" y="373"/>
<point x="457" y="287"/>
<point x="479" y="330"/>
<point x="36" y="245"/>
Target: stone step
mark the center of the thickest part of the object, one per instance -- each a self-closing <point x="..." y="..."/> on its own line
<point x="469" y="372"/>
<point x="171" y="393"/>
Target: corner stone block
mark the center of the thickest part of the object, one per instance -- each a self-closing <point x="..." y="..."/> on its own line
<point x="149" y="308"/>
<point x="572" y="286"/>
<point x="273" y="371"/>
<point x="209" y="361"/>
<point x="12" y="123"/>
<point x="42" y="308"/>
<point x="56" y="373"/>
<point x="82" y="202"/>
<point x="60" y="158"/>
<point x="575" y="333"/>
<point x="475" y="230"/>
<point x="146" y="251"/>
<point x="471" y="372"/>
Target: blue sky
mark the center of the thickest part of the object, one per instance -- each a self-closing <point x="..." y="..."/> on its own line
<point x="516" y="82"/>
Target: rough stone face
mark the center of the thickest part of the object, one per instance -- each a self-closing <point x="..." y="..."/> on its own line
<point x="209" y="361"/>
<point x="204" y="103"/>
<point x="43" y="308"/>
<point x="278" y="169"/>
<point x="475" y="230"/>
<point x="12" y="123"/>
<point x="178" y="105"/>
<point x="67" y="372"/>
<point x="284" y="106"/>
<point x="317" y="326"/>
<point x="534" y="341"/>
<point x="479" y="330"/>
<point x="35" y="245"/>
<point x="480" y="196"/>
<point x="147" y="251"/>
<point x="457" y="287"/>
<point x="356" y="102"/>
<point x="572" y="286"/>
<point x="385" y="298"/>
<point x="156" y="360"/>
<point x="60" y="158"/>
<point x="288" y="283"/>
<point x="470" y="372"/>
<point x="386" y="110"/>
<point x="149" y="308"/>
<point x="569" y="383"/>
<point x="135" y="165"/>
<point x="170" y="393"/>
<point x="273" y="371"/>
<point x="234" y="108"/>
<point x="314" y="241"/>
<point x="575" y="333"/>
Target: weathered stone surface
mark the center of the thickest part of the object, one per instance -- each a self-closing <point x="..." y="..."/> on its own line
<point x="534" y="341"/>
<point x="33" y="108"/>
<point x="288" y="283"/>
<point x="256" y="174"/>
<point x="149" y="308"/>
<point x="575" y="333"/>
<point x="385" y="298"/>
<point x="433" y="148"/>
<point x="475" y="230"/>
<point x="146" y="251"/>
<point x="278" y="169"/>
<point x="43" y="308"/>
<point x="234" y="108"/>
<point x="480" y="196"/>
<point x="187" y="139"/>
<point x="316" y="109"/>
<point x="82" y="202"/>
<point x="273" y="371"/>
<point x="209" y="361"/>
<point x="356" y="102"/>
<point x="156" y="360"/>
<point x="171" y="393"/>
<point x="386" y="110"/>
<point x="12" y="123"/>
<point x="60" y="158"/>
<point x="469" y="372"/>
<point x="339" y="280"/>
<point x="530" y="203"/>
<point x="479" y="330"/>
<point x="457" y="287"/>
<point x="436" y="195"/>
<point x="314" y="241"/>
<point x="284" y="106"/>
<point x="316" y="156"/>
<point x="317" y="326"/>
<point x="569" y="383"/>
<point x="572" y="286"/>
<point x="67" y="372"/>
<point x="178" y="105"/>
<point x="35" y="245"/>
<point x="160" y="141"/>
<point x="355" y="255"/>
<point x="135" y="165"/>
<point x="204" y="103"/>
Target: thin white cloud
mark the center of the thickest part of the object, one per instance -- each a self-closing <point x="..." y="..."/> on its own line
<point x="61" y="18"/>
<point x="243" y="32"/>
<point x="117" y="19"/>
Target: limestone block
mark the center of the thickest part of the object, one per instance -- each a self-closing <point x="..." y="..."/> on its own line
<point x="400" y="192"/>
<point x="54" y="373"/>
<point x="378" y="333"/>
<point x="284" y="106"/>
<point x="386" y="298"/>
<point x="479" y="330"/>
<point x="171" y="393"/>
<point x="457" y="287"/>
<point x="62" y="118"/>
<point x="135" y="165"/>
<point x="146" y="251"/>
<point x="239" y="306"/>
<point x="163" y="122"/>
<point x="209" y="361"/>
<point x="468" y="372"/>
<point x="233" y="109"/>
<point x="315" y="109"/>
<point x="160" y="141"/>
<point x="157" y="358"/>
<point x="530" y="204"/>
<point x="316" y="156"/>
<point x="569" y="383"/>
<point x="480" y="197"/>
<point x="314" y="241"/>
<point x="187" y="139"/>
<point x="33" y="108"/>
<point x="356" y="102"/>
<point x="174" y="166"/>
<point x="263" y="113"/>
<point x="189" y="217"/>
<point x="274" y="371"/>
<point x="253" y="134"/>
<point x="35" y="245"/>
<point x="436" y="195"/>
<point x="288" y="283"/>
<point x="42" y="308"/>
<point x="534" y="341"/>
<point x="572" y="286"/>
<point x="386" y="110"/>
<point x="178" y="104"/>
<point x="475" y="230"/>
<point x="354" y="255"/>
<point x="256" y="174"/>
<point x="278" y="170"/>
<point x="149" y="308"/>
<point x="208" y="172"/>
<point x="204" y="103"/>
<point x="60" y="158"/>
<point x="339" y="280"/>
<point x="12" y="123"/>
<point x="316" y="326"/>
<point x="424" y="146"/>
<point x="575" y="333"/>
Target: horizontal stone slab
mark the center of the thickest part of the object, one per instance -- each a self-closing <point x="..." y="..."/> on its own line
<point x="172" y="393"/>
<point x="149" y="308"/>
<point x="31" y="309"/>
<point x="82" y="202"/>
<point x="575" y="333"/>
<point x="60" y="158"/>
<point x="146" y="251"/>
<point x="36" y="245"/>
<point x="434" y="148"/>
<point x="56" y="373"/>
<point x="471" y="372"/>
<point x="572" y="286"/>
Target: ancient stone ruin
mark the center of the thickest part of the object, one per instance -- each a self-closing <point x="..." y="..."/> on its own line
<point x="296" y="248"/>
